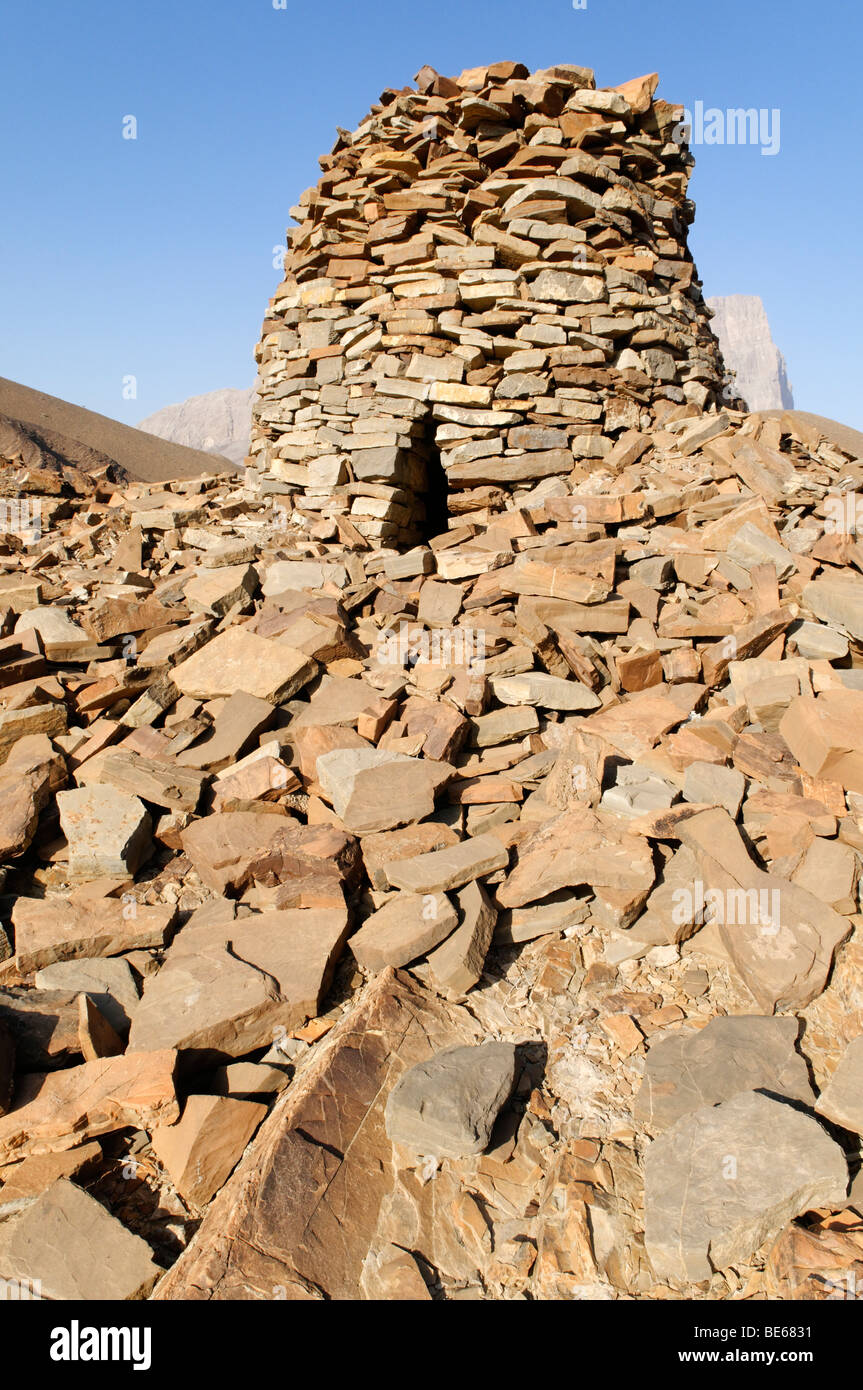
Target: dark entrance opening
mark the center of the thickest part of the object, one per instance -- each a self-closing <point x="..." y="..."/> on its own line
<point x="435" y="497"/>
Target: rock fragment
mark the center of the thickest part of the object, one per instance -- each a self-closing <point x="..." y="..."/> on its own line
<point x="109" y="832"/>
<point x="841" y="1101"/>
<point x="446" y="1107"/>
<point x="202" y="1148"/>
<point x="686" y="1070"/>
<point x="725" y="1179"/>
<point x="104" y="1262"/>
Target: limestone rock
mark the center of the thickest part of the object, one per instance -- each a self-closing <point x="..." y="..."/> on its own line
<point x="686" y="1070"/>
<point x="407" y="926"/>
<point x="725" y="1179"/>
<point x="103" y="1262"/>
<point x="580" y="847"/>
<point x="445" y="869"/>
<point x="301" y="1213"/>
<point x="57" y="1111"/>
<point x="239" y="660"/>
<point x="63" y="929"/>
<point x="781" y="938"/>
<point x="393" y="1274"/>
<point x="373" y="790"/>
<point x="32" y="1176"/>
<point x="457" y="964"/>
<point x="232" y="849"/>
<point x="447" y="1106"/>
<point x="96" y="1036"/>
<point x="548" y="692"/>
<point x="841" y="1101"/>
<point x="263" y="972"/>
<point x="110" y="984"/>
<point x="109" y="832"/>
<point x="202" y="1149"/>
<point x="706" y="784"/>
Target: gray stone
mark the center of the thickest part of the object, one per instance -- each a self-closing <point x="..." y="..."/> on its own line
<point x="751" y="547"/>
<point x="842" y="1098"/>
<point x="109" y="983"/>
<point x="710" y="784"/>
<point x="688" y="1069"/>
<point x="726" y="1179"/>
<point x="446" y="1107"/>
<point x="109" y="833"/>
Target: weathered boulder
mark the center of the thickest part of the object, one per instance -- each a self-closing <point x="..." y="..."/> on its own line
<point x="447" y="1106"/>
<point x="726" y="1178"/>
<point x="687" y="1070"/>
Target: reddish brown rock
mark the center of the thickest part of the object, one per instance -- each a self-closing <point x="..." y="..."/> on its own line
<point x="202" y="1149"/>
<point x="232" y="849"/>
<point x="59" y="1110"/>
<point x="300" y="1215"/>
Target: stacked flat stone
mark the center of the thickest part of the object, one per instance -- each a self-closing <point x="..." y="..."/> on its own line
<point x="489" y="296"/>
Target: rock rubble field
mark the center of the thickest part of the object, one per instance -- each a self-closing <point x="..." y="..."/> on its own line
<point x="431" y="858"/>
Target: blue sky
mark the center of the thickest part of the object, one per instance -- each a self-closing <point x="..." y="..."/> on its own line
<point x="153" y="257"/>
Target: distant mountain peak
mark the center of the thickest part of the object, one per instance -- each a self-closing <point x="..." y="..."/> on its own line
<point x="218" y="422"/>
<point x="741" y="325"/>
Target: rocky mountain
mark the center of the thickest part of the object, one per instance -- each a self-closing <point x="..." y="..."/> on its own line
<point x="44" y="433"/>
<point x="217" y="422"/>
<point x="743" y="331"/>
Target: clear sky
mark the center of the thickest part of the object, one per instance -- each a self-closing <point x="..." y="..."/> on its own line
<point x="153" y="258"/>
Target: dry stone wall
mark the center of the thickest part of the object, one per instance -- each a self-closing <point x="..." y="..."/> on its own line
<point x="489" y="296"/>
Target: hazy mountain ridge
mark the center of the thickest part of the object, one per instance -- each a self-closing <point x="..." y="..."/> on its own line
<point x="217" y="422"/>
<point x="743" y="330"/>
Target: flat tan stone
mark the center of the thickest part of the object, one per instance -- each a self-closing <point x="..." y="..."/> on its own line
<point x="403" y="929"/>
<point x="445" y="869"/>
<point x="101" y="1262"/>
<point x="372" y="790"/>
<point x="263" y="972"/>
<point x="203" y="1148"/>
<point x="56" y="929"/>
<point x="580" y="847"/>
<point x="239" y="660"/>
